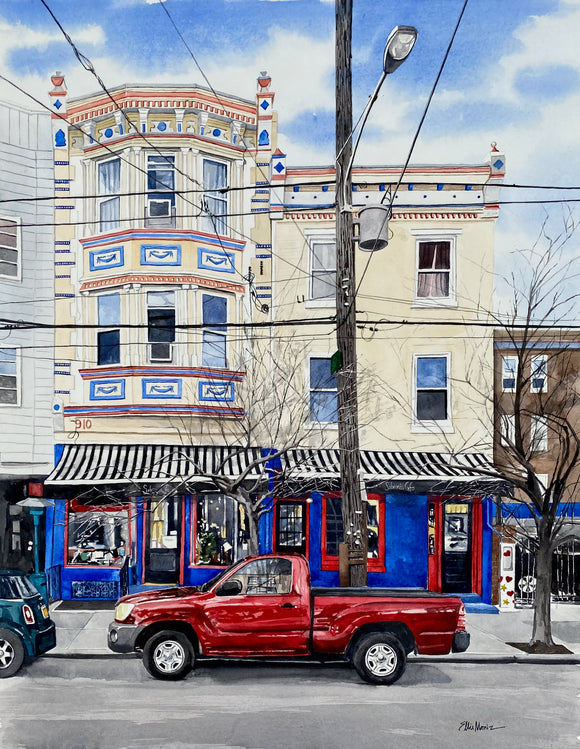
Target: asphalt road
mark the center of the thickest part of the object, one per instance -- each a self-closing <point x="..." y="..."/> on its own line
<point x="68" y="703"/>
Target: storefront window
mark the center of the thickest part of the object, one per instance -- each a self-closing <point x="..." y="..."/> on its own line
<point x="220" y="530"/>
<point x="332" y="532"/>
<point x="99" y="537"/>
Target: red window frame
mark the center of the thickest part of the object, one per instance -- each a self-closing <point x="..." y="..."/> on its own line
<point x="374" y="564"/>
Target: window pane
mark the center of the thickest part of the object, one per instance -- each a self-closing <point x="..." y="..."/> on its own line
<point x="271" y="576"/>
<point x="323" y="256"/>
<point x="8" y="233"/>
<point x="323" y="406"/>
<point x="109" y="214"/>
<point x="109" y="177"/>
<point x="432" y="405"/>
<point x="324" y="284"/>
<point x="434" y="255"/>
<point x="432" y="372"/>
<point x="109" y="309"/>
<point x="161" y="299"/>
<point x="8" y="361"/>
<point x="213" y="353"/>
<point x="433" y="285"/>
<point x="109" y="347"/>
<point x="161" y="325"/>
<point x="214" y="310"/>
<point x="320" y="374"/>
<point x="215" y="175"/>
<point x="98" y="537"/>
<point x="217" y="530"/>
<point x="334" y="527"/>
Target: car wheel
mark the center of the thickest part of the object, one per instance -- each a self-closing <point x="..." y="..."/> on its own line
<point x="380" y="658"/>
<point x="11" y="653"/>
<point x="168" y="655"/>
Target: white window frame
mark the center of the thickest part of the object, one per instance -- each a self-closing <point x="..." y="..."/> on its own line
<point x="18" y="378"/>
<point x="538" y="434"/>
<point x="507" y="427"/>
<point x="446" y="235"/>
<point x="170" y="344"/>
<point x="106" y="197"/>
<point x="506" y="373"/>
<point x="207" y="223"/>
<point x="156" y="196"/>
<point x="17" y="223"/>
<point x="539" y="364"/>
<point x="309" y="390"/>
<point x="313" y="238"/>
<point x="419" y="426"/>
<point x="207" y="328"/>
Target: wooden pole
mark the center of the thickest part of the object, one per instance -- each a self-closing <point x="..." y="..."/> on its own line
<point x="348" y="436"/>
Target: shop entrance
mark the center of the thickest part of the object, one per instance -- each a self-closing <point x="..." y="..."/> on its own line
<point x="456" y="557"/>
<point x="291" y="527"/>
<point x="162" y="548"/>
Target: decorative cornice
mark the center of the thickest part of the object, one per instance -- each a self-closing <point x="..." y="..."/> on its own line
<point x="160" y="278"/>
<point x="139" y="371"/>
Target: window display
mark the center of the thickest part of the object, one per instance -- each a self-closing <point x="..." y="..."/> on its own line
<point x="220" y="530"/>
<point x="99" y="537"/>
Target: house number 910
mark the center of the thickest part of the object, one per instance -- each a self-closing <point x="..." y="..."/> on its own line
<point x="83" y="423"/>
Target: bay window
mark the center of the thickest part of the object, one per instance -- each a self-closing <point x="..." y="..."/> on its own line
<point x="161" y="190"/>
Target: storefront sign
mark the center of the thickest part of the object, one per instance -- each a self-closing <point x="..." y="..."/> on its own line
<point x="400" y="486"/>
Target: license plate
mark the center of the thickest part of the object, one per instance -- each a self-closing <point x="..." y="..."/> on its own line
<point x="44" y="610"/>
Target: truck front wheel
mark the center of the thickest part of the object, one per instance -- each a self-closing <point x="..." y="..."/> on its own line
<point x="168" y="655"/>
<point x="380" y="658"/>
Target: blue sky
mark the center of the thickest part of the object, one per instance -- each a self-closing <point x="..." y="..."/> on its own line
<point x="513" y="77"/>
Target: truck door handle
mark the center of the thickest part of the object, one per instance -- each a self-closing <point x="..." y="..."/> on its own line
<point x="288" y="606"/>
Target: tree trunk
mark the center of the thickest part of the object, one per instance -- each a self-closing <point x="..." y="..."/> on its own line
<point x="542" y="628"/>
<point x="253" y="521"/>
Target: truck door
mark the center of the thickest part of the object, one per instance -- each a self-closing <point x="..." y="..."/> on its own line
<point x="268" y="617"/>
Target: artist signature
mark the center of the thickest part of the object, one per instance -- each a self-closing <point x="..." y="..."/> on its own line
<point x="467" y="725"/>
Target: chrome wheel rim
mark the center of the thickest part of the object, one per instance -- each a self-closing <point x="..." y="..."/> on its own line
<point x="381" y="660"/>
<point x="6" y="653"/>
<point x="169" y="656"/>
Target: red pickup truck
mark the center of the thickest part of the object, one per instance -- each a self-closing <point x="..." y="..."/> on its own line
<point x="263" y="606"/>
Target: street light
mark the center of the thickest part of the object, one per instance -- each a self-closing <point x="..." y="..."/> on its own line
<point x="353" y="564"/>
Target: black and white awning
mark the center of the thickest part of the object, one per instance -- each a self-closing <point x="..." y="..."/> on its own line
<point x="92" y="465"/>
<point x="399" y="467"/>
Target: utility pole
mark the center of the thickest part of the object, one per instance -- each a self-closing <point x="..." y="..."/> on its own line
<point x="348" y="435"/>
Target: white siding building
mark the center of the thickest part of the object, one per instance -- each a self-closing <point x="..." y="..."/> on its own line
<point x="26" y="296"/>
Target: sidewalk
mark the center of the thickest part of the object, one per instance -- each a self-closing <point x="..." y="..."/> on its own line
<point x="82" y="632"/>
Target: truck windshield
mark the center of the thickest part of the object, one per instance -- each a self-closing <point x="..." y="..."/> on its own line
<point x="14" y="587"/>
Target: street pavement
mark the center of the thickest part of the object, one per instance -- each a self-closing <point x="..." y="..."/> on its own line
<point x="83" y="632"/>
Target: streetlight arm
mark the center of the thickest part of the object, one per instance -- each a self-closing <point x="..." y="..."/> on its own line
<point x="346" y="202"/>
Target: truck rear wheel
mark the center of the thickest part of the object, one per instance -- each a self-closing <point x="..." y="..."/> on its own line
<point x="11" y="653"/>
<point x="168" y="655"/>
<point x="380" y="658"/>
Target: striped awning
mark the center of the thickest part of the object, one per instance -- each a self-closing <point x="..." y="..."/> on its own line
<point x="392" y="466"/>
<point x="150" y="464"/>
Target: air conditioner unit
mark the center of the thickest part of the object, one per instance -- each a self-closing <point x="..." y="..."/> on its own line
<point x="159" y="208"/>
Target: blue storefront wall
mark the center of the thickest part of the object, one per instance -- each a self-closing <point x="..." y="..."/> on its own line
<point x="406" y="549"/>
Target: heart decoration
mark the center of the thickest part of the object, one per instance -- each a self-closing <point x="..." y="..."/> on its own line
<point x="507" y="553"/>
<point x="500" y="578"/>
<point x="509" y="579"/>
<point x="510" y="592"/>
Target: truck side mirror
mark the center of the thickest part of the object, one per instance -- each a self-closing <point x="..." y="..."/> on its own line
<point x="229" y="588"/>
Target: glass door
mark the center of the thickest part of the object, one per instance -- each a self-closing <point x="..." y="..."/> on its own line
<point x="456" y="548"/>
<point x="162" y="543"/>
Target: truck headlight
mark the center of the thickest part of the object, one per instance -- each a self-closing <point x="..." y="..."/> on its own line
<point x="122" y="611"/>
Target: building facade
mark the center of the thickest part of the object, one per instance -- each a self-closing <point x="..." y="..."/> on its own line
<point x="536" y="380"/>
<point x="200" y="301"/>
<point x="26" y="350"/>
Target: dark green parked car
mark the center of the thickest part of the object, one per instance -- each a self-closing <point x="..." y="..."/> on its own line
<point x="26" y="629"/>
